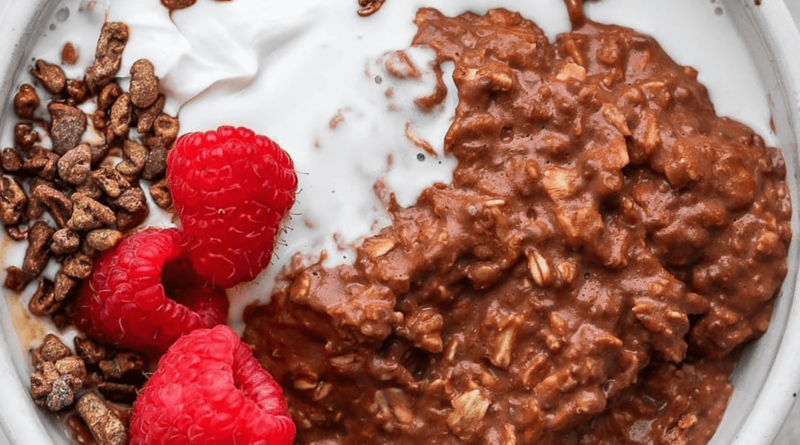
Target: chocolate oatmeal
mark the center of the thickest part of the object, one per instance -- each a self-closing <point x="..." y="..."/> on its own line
<point x="605" y="246"/>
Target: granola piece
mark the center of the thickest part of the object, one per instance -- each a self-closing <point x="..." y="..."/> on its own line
<point x="111" y="181"/>
<point x="120" y="115"/>
<point x="135" y="157"/>
<point x="58" y="375"/>
<point x="35" y="208"/>
<point x="12" y="201"/>
<point x="108" y="95"/>
<point x="78" y="266"/>
<point x="160" y="193"/>
<point x="133" y="208"/>
<point x="166" y="128"/>
<point x="59" y="205"/>
<point x="369" y="7"/>
<point x="91" y="352"/>
<point x="26" y="101"/>
<point x="144" y="83"/>
<point x="63" y="286"/>
<point x="43" y="163"/>
<point x="67" y="125"/>
<point x="38" y="253"/>
<point x="50" y="75"/>
<point x="10" y="160"/>
<point x="44" y="301"/>
<point x="16" y="279"/>
<point x="77" y="91"/>
<point x="178" y="4"/>
<point x="105" y="425"/>
<point x="156" y="164"/>
<point x="103" y="239"/>
<point x="25" y="137"/>
<point x="89" y="214"/>
<point x="108" y="55"/>
<point x="75" y="166"/>
<point x="69" y="54"/>
<point x="121" y="364"/>
<point x="65" y="241"/>
<point x="118" y="392"/>
<point x="147" y="116"/>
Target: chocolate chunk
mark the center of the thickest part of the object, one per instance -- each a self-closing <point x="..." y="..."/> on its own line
<point x="43" y="163"/>
<point x="110" y="181"/>
<point x="26" y="101"/>
<point x="166" y="128"/>
<point x="12" y="201"/>
<point x="75" y="166"/>
<point x="67" y="125"/>
<point x="16" y="279"/>
<point x="69" y="54"/>
<point x="108" y="55"/>
<point x="51" y="76"/>
<point x="91" y="352"/>
<point x="121" y="364"/>
<point x="63" y="286"/>
<point x="118" y="392"/>
<point x="178" y="4"/>
<point x="144" y="84"/>
<point x="156" y="164"/>
<point x="38" y="253"/>
<point x="44" y="300"/>
<point x="133" y="208"/>
<point x="108" y="96"/>
<point x="78" y="266"/>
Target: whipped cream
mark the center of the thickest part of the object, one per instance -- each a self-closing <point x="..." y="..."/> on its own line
<point x="291" y="70"/>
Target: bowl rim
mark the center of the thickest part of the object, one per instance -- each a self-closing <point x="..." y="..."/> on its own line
<point x="24" y="423"/>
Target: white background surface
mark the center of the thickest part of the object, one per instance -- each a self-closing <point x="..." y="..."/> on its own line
<point x="791" y="433"/>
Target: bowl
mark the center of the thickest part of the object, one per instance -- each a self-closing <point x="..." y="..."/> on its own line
<point x="746" y="55"/>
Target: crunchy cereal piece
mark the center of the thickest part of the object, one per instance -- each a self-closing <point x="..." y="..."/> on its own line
<point x="156" y="164"/>
<point x="38" y="253"/>
<point x="78" y="266"/>
<point x="108" y="96"/>
<point x="144" y="83"/>
<point x="160" y="193"/>
<point x="121" y="364"/>
<point x="12" y="201"/>
<point x="43" y="163"/>
<point x="26" y="101"/>
<point x="118" y="392"/>
<point x="110" y="180"/>
<point x="65" y="241"/>
<point x="133" y="208"/>
<point x="50" y="75"/>
<point x="58" y="376"/>
<point x="120" y="115"/>
<point x="369" y="7"/>
<point x="15" y="233"/>
<point x="67" y="125"/>
<point x="77" y="92"/>
<point x="89" y="214"/>
<point x="92" y="353"/>
<point x="103" y="239"/>
<point x="106" y="427"/>
<point x="75" y="166"/>
<point x="35" y="208"/>
<point x="108" y="55"/>
<point x="99" y="152"/>
<point x="135" y="158"/>
<point x="44" y="300"/>
<point x="178" y="4"/>
<point x="148" y="116"/>
<point x="63" y="286"/>
<point x="25" y="136"/>
<point x="166" y="128"/>
<point x="59" y="206"/>
<point x="10" y="160"/>
<point x="16" y="279"/>
<point x="69" y="54"/>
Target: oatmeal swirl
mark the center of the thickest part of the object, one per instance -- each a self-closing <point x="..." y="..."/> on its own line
<point x="605" y="246"/>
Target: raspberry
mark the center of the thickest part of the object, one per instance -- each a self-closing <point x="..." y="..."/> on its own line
<point x="209" y="389"/>
<point x="231" y="188"/>
<point x="144" y="294"/>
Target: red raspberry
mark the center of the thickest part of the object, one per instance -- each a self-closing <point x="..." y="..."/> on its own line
<point x="209" y="389"/>
<point x="231" y="188"/>
<point x="144" y="294"/>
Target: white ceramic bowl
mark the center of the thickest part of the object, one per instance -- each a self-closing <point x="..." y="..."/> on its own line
<point x="768" y="376"/>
